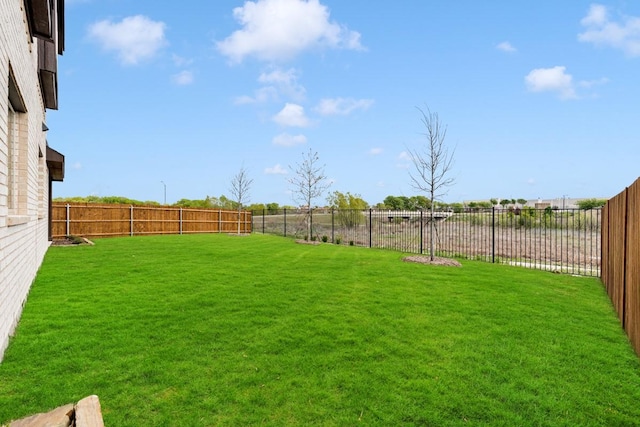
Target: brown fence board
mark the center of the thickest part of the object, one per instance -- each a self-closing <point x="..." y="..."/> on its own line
<point x="97" y="220"/>
<point x="632" y="266"/>
<point x="617" y="243"/>
<point x="621" y="258"/>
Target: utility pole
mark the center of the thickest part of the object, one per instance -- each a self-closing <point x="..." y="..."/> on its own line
<point x="165" y="192"/>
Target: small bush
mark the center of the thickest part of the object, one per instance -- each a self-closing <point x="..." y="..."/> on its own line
<point x="325" y="238"/>
<point x="338" y="240"/>
<point x="351" y="243"/>
<point x="314" y="238"/>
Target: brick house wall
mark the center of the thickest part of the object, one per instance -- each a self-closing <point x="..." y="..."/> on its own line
<point x="24" y="175"/>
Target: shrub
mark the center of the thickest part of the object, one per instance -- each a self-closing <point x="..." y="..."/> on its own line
<point x="591" y="203"/>
<point x="338" y="240"/>
<point x="351" y="243"/>
<point x="325" y="239"/>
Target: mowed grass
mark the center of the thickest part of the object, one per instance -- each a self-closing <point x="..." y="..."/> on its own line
<point x="225" y="330"/>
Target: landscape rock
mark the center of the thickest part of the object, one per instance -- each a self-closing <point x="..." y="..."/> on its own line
<point x="86" y="413"/>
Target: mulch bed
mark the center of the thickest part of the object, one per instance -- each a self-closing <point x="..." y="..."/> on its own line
<point x="71" y="241"/>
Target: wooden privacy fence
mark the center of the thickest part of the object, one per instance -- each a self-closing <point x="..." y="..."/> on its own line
<point x="100" y="220"/>
<point x="621" y="258"/>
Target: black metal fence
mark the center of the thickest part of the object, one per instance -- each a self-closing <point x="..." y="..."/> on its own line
<point x="563" y="240"/>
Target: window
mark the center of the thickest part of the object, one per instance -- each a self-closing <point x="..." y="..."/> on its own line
<point x="17" y="144"/>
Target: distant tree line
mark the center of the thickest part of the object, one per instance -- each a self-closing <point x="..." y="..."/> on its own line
<point x="335" y="200"/>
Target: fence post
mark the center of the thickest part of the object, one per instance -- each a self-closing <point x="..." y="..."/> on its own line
<point x="370" y="228"/>
<point x="181" y="220"/>
<point x="131" y="220"/>
<point x="285" y="222"/>
<point x="311" y="222"/>
<point x="421" y="231"/>
<point x="493" y="234"/>
<point x="68" y="220"/>
<point x="332" y="226"/>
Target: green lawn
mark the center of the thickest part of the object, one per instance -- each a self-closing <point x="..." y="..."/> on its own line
<point x="226" y="330"/>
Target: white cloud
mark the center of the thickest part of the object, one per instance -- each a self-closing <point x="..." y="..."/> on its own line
<point x="375" y="151"/>
<point x="553" y="79"/>
<point x="597" y="15"/>
<point x="292" y="115"/>
<point x="286" y="140"/>
<point x="183" y="78"/>
<point x="286" y="82"/>
<point x="274" y="30"/>
<point x="342" y="106"/>
<point x="134" y="39"/>
<point x="77" y="165"/>
<point x="276" y="170"/>
<point x="277" y="82"/>
<point x="506" y="47"/>
<point x="261" y="96"/>
<point x="602" y="31"/>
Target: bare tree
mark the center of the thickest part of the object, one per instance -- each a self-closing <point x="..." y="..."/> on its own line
<point x="309" y="182"/>
<point x="432" y="165"/>
<point x="240" y="186"/>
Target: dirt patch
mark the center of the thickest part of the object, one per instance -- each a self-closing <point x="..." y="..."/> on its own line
<point x="307" y="242"/>
<point x="71" y="241"/>
<point x="423" y="259"/>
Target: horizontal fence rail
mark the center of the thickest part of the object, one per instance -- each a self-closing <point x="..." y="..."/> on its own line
<point x="563" y="240"/>
<point x="106" y="220"/>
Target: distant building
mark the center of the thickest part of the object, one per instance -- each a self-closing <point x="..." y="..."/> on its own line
<point x="31" y="38"/>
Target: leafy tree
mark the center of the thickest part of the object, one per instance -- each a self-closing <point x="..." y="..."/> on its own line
<point x="273" y="208"/>
<point x="240" y="187"/>
<point x="587" y="204"/>
<point x="493" y="202"/>
<point x="432" y="166"/>
<point x="255" y="207"/>
<point x="522" y="202"/>
<point x="349" y="207"/>
<point x="457" y="207"/>
<point x="112" y="200"/>
<point x="505" y="202"/>
<point x="418" y="202"/>
<point x="195" y="203"/>
<point x="309" y="182"/>
<point x="393" y="203"/>
<point x="222" y="202"/>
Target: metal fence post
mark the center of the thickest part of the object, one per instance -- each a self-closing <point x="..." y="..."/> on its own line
<point x="285" y="222"/>
<point x="493" y="234"/>
<point x="332" y="226"/>
<point x="421" y="231"/>
<point x="370" y="228"/>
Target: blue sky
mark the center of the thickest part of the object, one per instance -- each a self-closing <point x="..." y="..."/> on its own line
<point x="540" y="99"/>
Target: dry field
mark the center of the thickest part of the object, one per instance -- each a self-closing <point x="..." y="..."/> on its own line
<point x="567" y="241"/>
